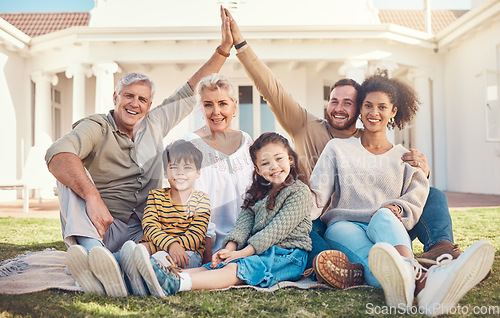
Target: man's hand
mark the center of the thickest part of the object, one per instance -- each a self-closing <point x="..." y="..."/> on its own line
<point x="99" y="214"/>
<point x="178" y="254"/>
<point x="235" y="30"/>
<point x="417" y="159"/>
<point x="227" y="38"/>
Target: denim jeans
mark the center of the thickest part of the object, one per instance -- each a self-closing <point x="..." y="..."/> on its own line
<point x="433" y="226"/>
<point x="355" y="239"/>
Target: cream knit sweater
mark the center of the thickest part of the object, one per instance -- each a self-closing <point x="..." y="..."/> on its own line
<point x="359" y="183"/>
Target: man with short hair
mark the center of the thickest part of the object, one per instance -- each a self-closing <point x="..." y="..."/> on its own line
<point x="310" y="135"/>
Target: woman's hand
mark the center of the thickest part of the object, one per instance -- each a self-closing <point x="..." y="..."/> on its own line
<point x="235" y="30"/>
<point x="225" y="28"/>
<point x="395" y="210"/>
<point x="418" y="160"/>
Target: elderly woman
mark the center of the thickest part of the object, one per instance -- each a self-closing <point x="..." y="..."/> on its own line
<point x="227" y="167"/>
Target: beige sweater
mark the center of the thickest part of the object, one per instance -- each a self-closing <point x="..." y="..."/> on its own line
<point x="361" y="183"/>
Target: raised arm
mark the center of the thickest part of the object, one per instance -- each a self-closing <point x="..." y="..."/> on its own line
<point x="291" y="116"/>
<point x="214" y="64"/>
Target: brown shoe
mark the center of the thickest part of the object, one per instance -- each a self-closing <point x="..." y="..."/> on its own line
<point x="427" y="259"/>
<point x="333" y="267"/>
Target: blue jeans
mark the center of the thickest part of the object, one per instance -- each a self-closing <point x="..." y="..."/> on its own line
<point x="355" y="239"/>
<point x="433" y="226"/>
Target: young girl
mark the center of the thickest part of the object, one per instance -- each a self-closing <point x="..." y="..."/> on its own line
<point x="376" y="199"/>
<point x="270" y="240"/>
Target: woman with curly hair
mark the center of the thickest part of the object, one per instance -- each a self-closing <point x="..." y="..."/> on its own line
<point x="376" y="199"/>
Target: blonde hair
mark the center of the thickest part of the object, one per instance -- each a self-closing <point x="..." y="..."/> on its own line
<point x="215" y="82"/>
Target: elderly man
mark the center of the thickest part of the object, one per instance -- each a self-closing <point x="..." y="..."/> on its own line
<point x="107" y="165"/>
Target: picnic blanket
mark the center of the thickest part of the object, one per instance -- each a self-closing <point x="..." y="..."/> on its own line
<point x="39" y="271"/>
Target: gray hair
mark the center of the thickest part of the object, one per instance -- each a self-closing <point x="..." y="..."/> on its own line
<point x="132" y="78"/>
<point x="215" y="82"/>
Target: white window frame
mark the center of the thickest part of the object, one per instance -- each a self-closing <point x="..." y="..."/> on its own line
<point x="487" y="95"/>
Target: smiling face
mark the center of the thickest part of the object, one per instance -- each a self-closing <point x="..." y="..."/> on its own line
<point x="131" y="105"/>
<point x="273" y="163"/>
<point x="376" y="111"/>
<point x="219" y="108"/>
<point x="181" y="175"/>
<point x="342" y="111"/>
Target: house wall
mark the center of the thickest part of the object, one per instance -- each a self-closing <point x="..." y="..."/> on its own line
<point x="473" y="163"/>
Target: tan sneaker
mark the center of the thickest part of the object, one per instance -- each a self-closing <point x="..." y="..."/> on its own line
<point x="333" y="267"/>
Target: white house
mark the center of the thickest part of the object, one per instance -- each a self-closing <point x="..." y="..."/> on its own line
<point x="49" y="81"/>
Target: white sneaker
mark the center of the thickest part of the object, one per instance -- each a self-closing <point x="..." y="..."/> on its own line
<point x="447" y="282"/>
<point x="395" y="273"/>
<point x="106" y="269"/>
<point x="143" y="263"/>
<point x="130" y="269"/>
<point x="77" y="264"/>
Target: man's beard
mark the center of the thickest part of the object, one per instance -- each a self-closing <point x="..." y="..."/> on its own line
<point x="344" y="124"/>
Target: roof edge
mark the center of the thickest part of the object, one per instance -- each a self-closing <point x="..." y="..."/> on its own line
<point x="13" y="36"/>
<point x="469" y="21"/>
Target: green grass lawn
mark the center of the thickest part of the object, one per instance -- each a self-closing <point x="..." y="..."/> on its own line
<point x="20" y="235"/>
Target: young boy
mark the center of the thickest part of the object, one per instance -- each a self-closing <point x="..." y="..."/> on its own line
<point x="175" y="219"/>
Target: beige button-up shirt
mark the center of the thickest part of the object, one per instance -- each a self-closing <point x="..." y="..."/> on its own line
<point x="125" y="170"/>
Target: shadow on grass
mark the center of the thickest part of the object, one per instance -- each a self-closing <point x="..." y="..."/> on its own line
<point x="9" y="250"/>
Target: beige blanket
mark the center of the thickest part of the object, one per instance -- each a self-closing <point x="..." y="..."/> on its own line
<point x="34" y="272"/>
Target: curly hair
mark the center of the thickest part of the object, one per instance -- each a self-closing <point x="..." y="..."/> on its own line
<point x="400" y="94"/>
<point x="261" y="187"/>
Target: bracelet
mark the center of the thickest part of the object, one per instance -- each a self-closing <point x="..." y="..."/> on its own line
<point x="221" y="51"/>
<point x="239" y="46"/>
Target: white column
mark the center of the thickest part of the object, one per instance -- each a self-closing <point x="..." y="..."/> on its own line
<point x="423" y="120"/>
<point x="43" y="107"/>
<point x="78" y="73"/>
<point x="36" y="174"/>
<point x="104" y="85"/>
<point x="354" y="69"/>
<point x="390" y="67"/>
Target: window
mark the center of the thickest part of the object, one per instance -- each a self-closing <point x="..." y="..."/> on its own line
<point x="326" y="99"/>
<point x="246" y="109"/>
<point x="255" y="117"/>
<point x="492" y="106"/>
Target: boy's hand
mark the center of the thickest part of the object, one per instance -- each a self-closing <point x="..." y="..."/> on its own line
<point x="178" y="254"/>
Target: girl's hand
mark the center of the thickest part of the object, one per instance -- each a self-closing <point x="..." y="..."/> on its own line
<point x="218" y="257"/>
<point x="225" y="28"/>
<point x="235" y="30"/>
<point x="395" y="210"/>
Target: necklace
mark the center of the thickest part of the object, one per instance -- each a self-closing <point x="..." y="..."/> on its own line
<point x="211" y="137"/>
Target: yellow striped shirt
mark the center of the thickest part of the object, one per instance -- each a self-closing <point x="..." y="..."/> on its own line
<point x="165" y="222"/>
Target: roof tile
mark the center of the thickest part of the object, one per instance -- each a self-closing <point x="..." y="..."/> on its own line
<point x="36" y="24"/>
